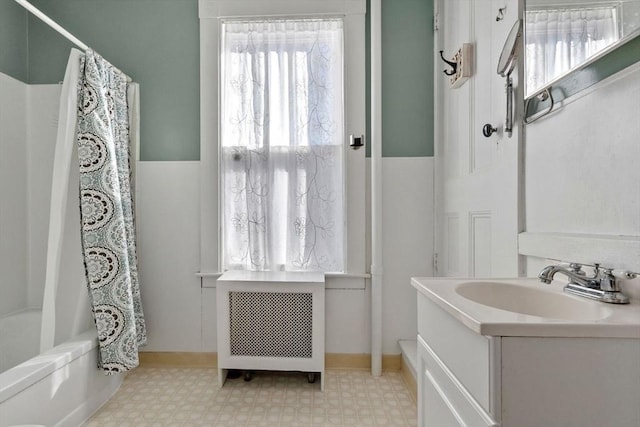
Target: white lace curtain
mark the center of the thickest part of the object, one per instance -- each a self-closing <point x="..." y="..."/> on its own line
<point x="281" y="156"/>
<point x="558" y="40"/>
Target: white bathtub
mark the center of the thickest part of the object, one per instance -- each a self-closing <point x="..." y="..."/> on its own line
<point x="61" y="387"/>
<point x="19" y="337"/>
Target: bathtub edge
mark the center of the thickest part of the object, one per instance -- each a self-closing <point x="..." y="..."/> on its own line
<point x="26" y="374"/>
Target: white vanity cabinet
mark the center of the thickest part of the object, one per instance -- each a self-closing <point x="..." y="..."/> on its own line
<point x="456" y="368"/>
<point x="469" y="379"/>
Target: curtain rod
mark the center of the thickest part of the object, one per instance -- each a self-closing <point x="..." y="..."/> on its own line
<point x="50" y="22"/>
<point x="53" y="24"/>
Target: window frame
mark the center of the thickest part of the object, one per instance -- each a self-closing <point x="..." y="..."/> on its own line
<point x="211" y="14"/>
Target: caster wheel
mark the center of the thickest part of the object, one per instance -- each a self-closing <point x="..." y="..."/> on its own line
<point x="233" y="374"/>
<point x="248" y="376"/>
<point x="311" y="378"/>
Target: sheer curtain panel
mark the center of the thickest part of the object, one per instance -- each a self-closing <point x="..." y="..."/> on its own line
<point x="282" y="152"/>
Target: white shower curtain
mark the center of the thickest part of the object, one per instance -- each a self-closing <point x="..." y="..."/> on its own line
<point x="65" y="140"/>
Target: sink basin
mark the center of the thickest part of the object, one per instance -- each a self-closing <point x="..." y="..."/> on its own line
<point x="532" y="301"/>
<point x="524" y="307"/>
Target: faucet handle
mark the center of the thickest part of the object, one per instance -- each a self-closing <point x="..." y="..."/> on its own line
<point x="621" y="274"/>
<point x="609" y="276"/>
<point x="576" y="268"/>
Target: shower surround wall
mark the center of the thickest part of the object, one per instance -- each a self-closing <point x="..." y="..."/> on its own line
<point x="28" y="120"/>
<point x="42" y="124"/>
<point x="13" y="158"/>
<point x="13" y="195"/>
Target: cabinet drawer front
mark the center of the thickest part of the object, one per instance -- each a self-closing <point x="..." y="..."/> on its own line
<point x="466" y="354"/>
<point x="443" y="400"/>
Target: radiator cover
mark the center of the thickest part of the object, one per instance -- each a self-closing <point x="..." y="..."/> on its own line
<point x="271" y="324"/>
<point x="270" y="321"/>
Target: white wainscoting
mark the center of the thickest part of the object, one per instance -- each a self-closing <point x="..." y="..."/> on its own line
<point x="407" y="243"/>
<point x="168" y="221"/>
<point x="181" y="314"/>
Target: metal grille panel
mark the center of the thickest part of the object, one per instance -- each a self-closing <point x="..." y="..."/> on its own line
<point x="271" y="324"/>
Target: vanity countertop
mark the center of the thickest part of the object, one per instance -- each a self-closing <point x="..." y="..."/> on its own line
<point x="563" y="315"/>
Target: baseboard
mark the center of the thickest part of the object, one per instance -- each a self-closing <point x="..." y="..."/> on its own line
<point x="390" y="362"/>
<point x="162" y="359"/>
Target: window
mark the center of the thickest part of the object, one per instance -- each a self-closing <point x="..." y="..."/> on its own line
<point x="282" y="134"/>
<point x="561" y="38"/>
<point x="280" y="188"/>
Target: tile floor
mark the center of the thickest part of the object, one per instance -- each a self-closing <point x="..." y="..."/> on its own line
<point x="191" y="397"/>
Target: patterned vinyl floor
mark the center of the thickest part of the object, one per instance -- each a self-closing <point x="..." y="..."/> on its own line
<point x="191" y="397"/>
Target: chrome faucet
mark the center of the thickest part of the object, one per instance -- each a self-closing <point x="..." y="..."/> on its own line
<point x="602" y="286"/>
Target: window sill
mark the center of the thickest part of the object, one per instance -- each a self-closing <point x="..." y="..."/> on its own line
<point x="332" y="280"/>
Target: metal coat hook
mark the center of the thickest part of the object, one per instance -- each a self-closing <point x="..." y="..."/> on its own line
<point x="501" y="12"/>
<point x="452" y="64"/>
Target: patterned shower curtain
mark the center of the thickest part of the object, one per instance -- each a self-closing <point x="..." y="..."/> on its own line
<point x="106" y="210"/>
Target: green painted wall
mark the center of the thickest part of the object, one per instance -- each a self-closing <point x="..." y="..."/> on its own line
<point x="13" y="40"/>
<point x="407" y="78"/>
<point x="157" y="43"/>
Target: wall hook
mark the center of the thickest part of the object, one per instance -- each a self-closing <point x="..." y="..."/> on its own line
<point x="452" y="64"/>
<point x="501" y="11"/>
<point x="461" y="65"/>
<point x="356" y="141"/>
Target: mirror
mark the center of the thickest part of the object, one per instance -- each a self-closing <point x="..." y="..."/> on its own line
<point x="563" y="35"/>
<point x="508" y="56"/>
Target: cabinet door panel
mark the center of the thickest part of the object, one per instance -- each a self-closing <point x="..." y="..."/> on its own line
<point x="443" y="400"/>
<point x="437" y="411"/>
<point x="466" y="353"/>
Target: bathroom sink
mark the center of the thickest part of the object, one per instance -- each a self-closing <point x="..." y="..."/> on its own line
<point x="525" y="307"/>
<point x="532" y="301"/>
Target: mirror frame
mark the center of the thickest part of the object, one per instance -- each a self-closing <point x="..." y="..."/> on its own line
<point x="606" y="63"/>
